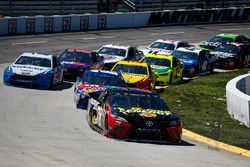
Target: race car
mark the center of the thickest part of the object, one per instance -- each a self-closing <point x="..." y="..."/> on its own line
<point x="220" y="39"/>
<point x="136" y="74"/>
<point x="76" y="61"/>
<point x="92" y="83"/>
<point x="133" y="114"/>
<point x="167" y="68"/>
<point x="195" y="61"/>
<point x="231" y="56"/>
<point x="34" y="69"/>
<point x="166" y="46"/>
<point x="113" y="53"/>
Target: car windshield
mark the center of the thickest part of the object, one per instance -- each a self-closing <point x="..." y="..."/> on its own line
<point x="113" y="51"/>
<point x="103" y="80"/>
<point x="161" y="45"/>
<point x="81" y="57"/>
<point x="124" y="68"/>
<point x="185" y="55"/>
<point x="142" y="100"/>
<point x="221" y="39"/>
<point x="35" y="61"/>
<point x="228" y="49"/>
<point x="157" y="61"/>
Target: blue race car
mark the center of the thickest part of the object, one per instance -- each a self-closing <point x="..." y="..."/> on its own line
<point x="92" y="83"/>
<point x="76" y="61"/>
<point x="195" y="61"/>
<point x="34" y="69"/>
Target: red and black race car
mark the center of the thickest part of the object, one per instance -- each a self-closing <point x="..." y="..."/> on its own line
<point x="130" y="113"/>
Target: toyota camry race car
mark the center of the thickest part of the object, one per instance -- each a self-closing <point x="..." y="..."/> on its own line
<point x="92" y="83"/>
<point x="128" y="113"/>
<point x="114" y="53"/>
<point x="34" y="69"/>
<point x="167" y="68"/>
<point x="231" y="56"/>
<point x="220" y="39"/>
<point x="166" y="46"/>
<point x="136" y="74"/>
<point x="195" y="61"/>
<point x="76" y="61"/>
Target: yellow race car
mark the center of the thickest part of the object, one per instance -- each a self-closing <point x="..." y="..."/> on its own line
<point x="167" y="68"/>
<point x="136" y="74"/>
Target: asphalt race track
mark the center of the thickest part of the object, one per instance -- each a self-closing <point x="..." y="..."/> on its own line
<point x="41" y="128"/>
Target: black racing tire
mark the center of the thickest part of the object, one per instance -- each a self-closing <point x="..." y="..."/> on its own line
<point x="171" y="79"/>
<point x="196" y="70"/>
<point x="51" y="84"/>
<point x="211" y="69"/>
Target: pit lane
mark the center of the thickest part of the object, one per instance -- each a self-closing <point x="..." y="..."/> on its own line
<point x="43" y="127"/>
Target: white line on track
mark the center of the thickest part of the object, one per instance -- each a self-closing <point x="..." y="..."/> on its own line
<point x="234" y="29"/>
<point x="29" y="43"/>
<point x="107" y="37"/>
<point x="90" y="38"/>
<point x="170" y="33"/>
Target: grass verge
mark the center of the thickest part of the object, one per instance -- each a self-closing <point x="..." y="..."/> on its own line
<point x="201" y="103"/>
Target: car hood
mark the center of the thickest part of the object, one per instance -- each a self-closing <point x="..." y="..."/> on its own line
<point x="218" y="54"/>
<point x="29" y="70"/>
<point x="89" y="88"/>
<point x="74" y="65"/>
<point x="160" y="69"/>
<point x="111" y="58"/>
<point x="188" y="62"/>
<point x="133" y="78"/>
<point x="156" y="50"/>
<point x="139" y="113"/>
<point x="209" y="45"/>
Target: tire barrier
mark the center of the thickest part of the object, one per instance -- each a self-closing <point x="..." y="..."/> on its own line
<point x="238" y="98"/>
<point x="85" y="22"/>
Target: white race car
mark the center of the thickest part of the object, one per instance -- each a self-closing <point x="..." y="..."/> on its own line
<point x="34" y="69"/>
<point x="114" y="53"/>
<point x="166" y="46"/>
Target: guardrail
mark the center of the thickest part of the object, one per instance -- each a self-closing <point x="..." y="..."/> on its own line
<point x="238" y="98"/>
<point x="85" y="22"/>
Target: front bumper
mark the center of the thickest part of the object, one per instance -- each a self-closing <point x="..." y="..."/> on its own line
<point x="136" y="130"/>
<point x="42" y="81"/>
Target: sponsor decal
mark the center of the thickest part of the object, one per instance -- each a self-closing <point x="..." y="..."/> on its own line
<point x="30" y="26"/>
<point x="84" y="23"/>
<point x="101" y="22"/>
<point x="12" y="26"/>
<point x="199" y="16"/>
<point x="66" y="24"/>
<point x="48" y="25"/>
<point x="144" y="112"/>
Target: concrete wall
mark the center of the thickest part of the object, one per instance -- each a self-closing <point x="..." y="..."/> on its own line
<point x="238" y="102"/>
<point x="85" y="22"/>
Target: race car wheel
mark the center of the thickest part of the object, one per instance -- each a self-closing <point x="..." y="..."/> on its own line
<point x="106" y="126"/>
<point x="170" y="79"/>
<point x="51" y="82"/>
<point x="211" y="69"/>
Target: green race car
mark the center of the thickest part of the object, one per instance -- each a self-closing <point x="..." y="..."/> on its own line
<point x="220" y="39"/>
<point x="167" y="68"/>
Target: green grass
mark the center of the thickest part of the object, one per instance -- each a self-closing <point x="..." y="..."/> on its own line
<point x="201" y="103"/>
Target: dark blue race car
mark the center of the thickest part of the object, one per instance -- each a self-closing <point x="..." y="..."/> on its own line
<point x="195" y="61"/>
<point x="76" y="61"/>
<point x="92" y="83"/>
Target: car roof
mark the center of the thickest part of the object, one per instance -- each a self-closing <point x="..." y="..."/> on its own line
<point x="170" y="41"/>
<point x="39" y="55"/>
<point x="103" y="72"/>
<point x="78" y="50"/>
<point x="133" y="63"/>
<point x="116" y="46"/>
<point x="227" y="35"/>
<point x="189" y="49"/>
<point x="160" y="56"/>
